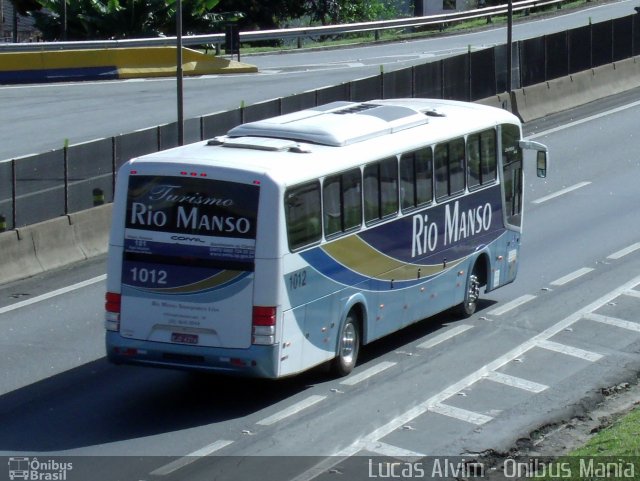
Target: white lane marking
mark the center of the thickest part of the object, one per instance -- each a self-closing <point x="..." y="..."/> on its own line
<point x="366" y="374"/>
<point x="584" y="120"/>
<point x="571" y="188"/>
<point x="571" y="277"/>
<point x="517" y="382"/>
<point x="291" y="410"/>
<point x="613" y="321"/>
<point x="461" y="414"/>
<point x="384" y="449"/>
<point x="49" y="295"/>
<point x="569" y="350"/>
<point x="632" y="293"/>
<point x="409" y="415"/>
<point x="511" y="305"/>
<point x="623" y="252"/>
<point x="190" y="458"/>
<point x="444" y="336"/>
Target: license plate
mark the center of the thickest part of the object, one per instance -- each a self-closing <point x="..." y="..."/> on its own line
<point x="184" y="338"/>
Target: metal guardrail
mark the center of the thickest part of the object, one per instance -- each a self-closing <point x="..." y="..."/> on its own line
<point x="289" y="33"/>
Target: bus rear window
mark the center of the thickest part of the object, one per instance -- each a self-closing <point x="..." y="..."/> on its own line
<point x="303" y="213"/>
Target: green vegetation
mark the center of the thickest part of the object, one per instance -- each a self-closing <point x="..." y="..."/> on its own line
<point x="120" y="19"/>
<point x="612" y="454"/>
<point x="413" y="33"/>
<point x="622" y="438"/>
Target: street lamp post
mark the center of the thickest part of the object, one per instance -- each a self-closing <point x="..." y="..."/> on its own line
<point x="509" y="45"/>
<point x="64" y="20"/>
<point x="179" y="73"/>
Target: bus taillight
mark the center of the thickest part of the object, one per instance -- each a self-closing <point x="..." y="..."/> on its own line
<point x="264" y="325"/>
<point x="112" y="311"/>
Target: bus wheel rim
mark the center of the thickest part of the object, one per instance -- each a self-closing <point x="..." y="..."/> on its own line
<point x="348" y="342"/>
<point x="473" y="292"/>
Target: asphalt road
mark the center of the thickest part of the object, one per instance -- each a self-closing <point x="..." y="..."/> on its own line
<point x="537" y="351"/>
<point x="37" y="118"/>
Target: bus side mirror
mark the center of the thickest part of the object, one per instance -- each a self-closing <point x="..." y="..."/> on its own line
<point x="542" y="155"/>
<point x="541" y="164"/>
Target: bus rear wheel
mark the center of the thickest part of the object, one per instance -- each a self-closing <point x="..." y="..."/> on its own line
<point x="348" y="346"/>
<point x="471" y="296"/>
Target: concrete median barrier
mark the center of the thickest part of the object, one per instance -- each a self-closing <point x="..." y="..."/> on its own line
<point x="91" y="229"/>
<point x="501" y="101"/>
<point x="17" y="257"/>
<point x="53" y="242"/>
<point x="105" y="64"/>
<point x="554" y="96"/>
<point x="31" y="250"/>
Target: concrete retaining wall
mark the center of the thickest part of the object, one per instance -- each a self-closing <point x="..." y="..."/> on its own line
<point x="31" y="250"/>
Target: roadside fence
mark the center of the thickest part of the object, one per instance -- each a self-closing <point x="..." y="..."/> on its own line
<point x="60" y="182"/>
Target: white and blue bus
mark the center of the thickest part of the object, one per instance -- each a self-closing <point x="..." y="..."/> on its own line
<point x="292" y="241"/>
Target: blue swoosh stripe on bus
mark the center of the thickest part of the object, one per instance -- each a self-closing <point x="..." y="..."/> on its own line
<point x="219" y="281"/>
<point x="338" y="272"/>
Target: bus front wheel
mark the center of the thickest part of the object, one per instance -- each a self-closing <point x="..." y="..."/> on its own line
<point x="348" y="346"/>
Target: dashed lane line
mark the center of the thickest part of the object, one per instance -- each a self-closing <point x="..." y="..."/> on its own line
<point x="291" y="410"/>
<point x="444" y="336"/>
<point x="571" y="188"/>
<point x="367" y="373"/>
<point x="511" y="305"/>
<point x="623" y="252"/>
<point x="572" y="276"/>
<point x="190" y="458"/>
<point x="49" y="295"/>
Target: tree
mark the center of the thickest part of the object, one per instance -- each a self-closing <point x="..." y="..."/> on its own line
<point x="23" y="7"/>
<point x="265" y="14"/>
<point x="350" y="11"/>
<point x="117" y="19"/>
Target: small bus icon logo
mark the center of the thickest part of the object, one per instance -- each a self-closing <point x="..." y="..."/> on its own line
<point x="18" y="468"/>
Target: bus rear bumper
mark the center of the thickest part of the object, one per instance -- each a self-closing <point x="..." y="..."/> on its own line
<point x="255" y="361"/>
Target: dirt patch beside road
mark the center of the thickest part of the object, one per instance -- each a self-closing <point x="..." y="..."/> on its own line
<point x="559" y="439"/>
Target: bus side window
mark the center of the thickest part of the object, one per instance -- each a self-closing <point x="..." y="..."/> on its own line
<point x="489" y="156"/>
<point x="450" y="168"/>
<point x="416" y="178"/>
<point x="481" y="158"/>
<point x="342" y="202"/>
<point x="302" y="210"/>
<point x="456" y="166"/>
<point x="380" y="189"/>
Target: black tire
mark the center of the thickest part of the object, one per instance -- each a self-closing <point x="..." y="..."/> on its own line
<point x="471" y="295"/>
<point x="348" y="347"/>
